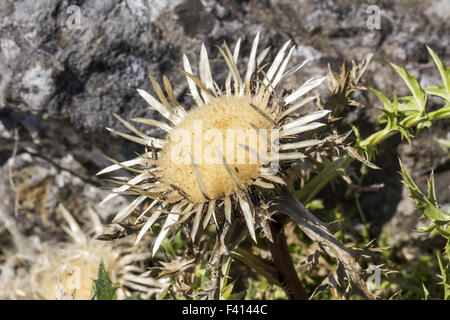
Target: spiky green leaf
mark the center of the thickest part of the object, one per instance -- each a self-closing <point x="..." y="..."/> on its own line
<point x="103" y="288"/>
<point x="445" y="278"/>
<point x="429" y="209"/>
<point x="440" y="90"/>
<point x="386" y="103"/>
<point x="419" y="94"/>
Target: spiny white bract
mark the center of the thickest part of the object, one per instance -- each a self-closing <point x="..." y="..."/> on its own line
<point x="203" y="189"/>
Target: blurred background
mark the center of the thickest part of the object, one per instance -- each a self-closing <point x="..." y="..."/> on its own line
<point x="67" y="66"/>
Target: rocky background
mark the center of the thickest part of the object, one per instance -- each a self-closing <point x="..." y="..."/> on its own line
<point x="67" y="66"/>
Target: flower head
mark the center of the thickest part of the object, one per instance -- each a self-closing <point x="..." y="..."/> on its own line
<point x="231" y="145"/>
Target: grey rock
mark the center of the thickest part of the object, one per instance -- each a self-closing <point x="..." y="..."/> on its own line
<point x="55" y="66"/>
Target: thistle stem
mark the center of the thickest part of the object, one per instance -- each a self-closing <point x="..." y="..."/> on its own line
<point x="283" y="261"/>
<point x="284" y="269"/>
<point x="318" y="231"/>
<point x="214" y="266"/>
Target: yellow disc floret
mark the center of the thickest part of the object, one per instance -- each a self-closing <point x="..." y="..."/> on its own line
<point x="225" y="124"/>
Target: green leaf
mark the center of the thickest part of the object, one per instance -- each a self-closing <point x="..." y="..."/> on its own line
<point x="423" y="203"/>
<point x="442" y="113"/>
<point x="447" y="249"/>
<point x="409" y="106"/>
<point x="445" y="278"/>
<point x="424" y="124"/>
<point x="387" y="104"/>
<point x="405" y="134"/>
<point x="257" y="264"/>
<point x="419" y="94"/>
<point x="445" y="232"/>
<point x="431" y="190"/>
<point x="390" y="110"/>
<point x="309" y="191"/>
<point x="432" y="226"/>
<point x="356" y="132"/>
<point x="439" y="90"/>
<point x="434" y="213"/>
<point x="103" y="288"/>
<point x="227" y="292"/>
<point x="443" y="91"/>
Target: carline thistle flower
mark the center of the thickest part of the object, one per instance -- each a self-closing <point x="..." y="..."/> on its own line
<point x="66" y="270"/>
<point x="227" y="150"/>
